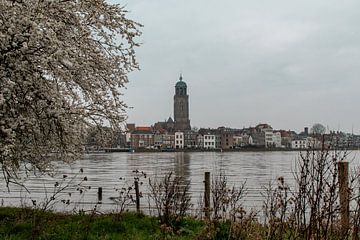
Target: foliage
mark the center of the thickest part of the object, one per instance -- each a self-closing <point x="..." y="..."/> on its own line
<point x="318" y="129"/>
<point x="62" y="66"/>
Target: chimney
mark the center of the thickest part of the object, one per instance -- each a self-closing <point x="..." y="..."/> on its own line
<point x="306" y="130"/>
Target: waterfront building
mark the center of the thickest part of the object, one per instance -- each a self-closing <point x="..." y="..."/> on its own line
<point x="167" y="125"/>
<point x="227" y="140"/>
<point x="237" y="141"/>
<point x="277" y="139"/>
<point x="168" y="141"/>
<point x="218" y="141"/>
<point x="179" y="140"/>
<point x="209" y="141"/>
<point x="158" y="139"/>
<point x="258" y="139"/>
<point x="181" y="106"/>
<point x="142" y="137"/>
<point x="210" y="131"/>
<point x="313" y="142"/>
<point x="227" y="137"/>
<point x="269" y="135"/>
<point x="306" y="142"/>
<point x="244" y="140"/>
<point x="200" y="141"/>
<point x="287" y="137"/>
<point x="299" y="143"/>
<point x="190" y="138"/>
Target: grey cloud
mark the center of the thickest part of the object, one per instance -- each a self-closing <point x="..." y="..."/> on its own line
<point x="288" y="63"/>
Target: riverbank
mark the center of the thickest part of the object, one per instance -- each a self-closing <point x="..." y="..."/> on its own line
<point x="26" y="223"/>
<point x="248" y="149"/>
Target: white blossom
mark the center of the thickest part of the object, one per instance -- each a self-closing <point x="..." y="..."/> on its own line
<point x="62" y="64"/>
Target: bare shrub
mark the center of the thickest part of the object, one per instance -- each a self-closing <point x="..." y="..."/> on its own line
<point x="60" y="193"/>
<point x="227" y="201"/>
<point x="355" y="200"/>
<point x="228" y="215"/>
<point x="247" y="227"/>
<point x="127" y="195"/>
<point x="311" y="210"/>
<point x="276" y="208"/>
<point x="218" y="193"/>
<point x="316" y="209"/>
<point x="171" y="197"/>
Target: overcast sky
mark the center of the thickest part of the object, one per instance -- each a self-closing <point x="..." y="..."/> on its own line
<point x="286" y="63"/>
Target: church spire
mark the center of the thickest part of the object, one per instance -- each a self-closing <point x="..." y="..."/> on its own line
<point x="180" y="78"/>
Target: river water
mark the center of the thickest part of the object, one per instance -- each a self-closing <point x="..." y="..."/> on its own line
<point x="112" y="171"/>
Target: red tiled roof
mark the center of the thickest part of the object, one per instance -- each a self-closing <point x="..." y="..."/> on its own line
<point x="143" y="128"/>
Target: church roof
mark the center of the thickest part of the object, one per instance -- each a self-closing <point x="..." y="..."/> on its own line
<point x="181" y="83"/>
<point x="170" y="120"/>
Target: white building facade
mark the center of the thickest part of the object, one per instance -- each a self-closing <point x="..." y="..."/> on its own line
<point x="209" y="141"/>
<point x="277" y="139"/>
<point x="179" y="140"/>
<point x="269" y="138"/>
<point x="299" y="144"/>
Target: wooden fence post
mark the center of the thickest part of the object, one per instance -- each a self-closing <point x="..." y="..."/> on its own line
<point x="343" y="168"/>
<point x="99" y="194"/>
<point x="137" y="193"/>
<point x="207" y="195"/>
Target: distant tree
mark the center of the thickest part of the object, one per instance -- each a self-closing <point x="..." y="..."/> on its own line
<point x="318" y="129"/>
<point x="62" y="66"/>
<point x="195" y="129"/>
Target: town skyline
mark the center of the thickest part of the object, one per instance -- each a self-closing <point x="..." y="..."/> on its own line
<point x="180" y="121"/>
<point x="289" y="66"/>
<point x="254" y="124"/>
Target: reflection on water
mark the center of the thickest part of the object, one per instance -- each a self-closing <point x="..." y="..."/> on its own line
<point x="182" y="165"/>
<point x="105" y="170"/>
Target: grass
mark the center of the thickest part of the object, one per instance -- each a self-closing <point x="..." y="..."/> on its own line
<point x="24" y="223"/>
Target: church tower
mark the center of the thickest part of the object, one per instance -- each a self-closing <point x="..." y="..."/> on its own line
<point x="181" y="106"/>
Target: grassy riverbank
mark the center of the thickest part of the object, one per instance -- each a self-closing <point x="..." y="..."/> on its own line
<point x="23" y="223"/>
<point x="26" y="223"/>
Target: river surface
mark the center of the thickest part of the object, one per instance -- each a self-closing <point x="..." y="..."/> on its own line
<point x="112" y="171"/>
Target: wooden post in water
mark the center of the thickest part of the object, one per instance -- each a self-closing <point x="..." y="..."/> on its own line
<point x="99" y="194"/>
<point x="207" y="195"/>
<point x="137" y="193"/>
<point x="343" y="168"/>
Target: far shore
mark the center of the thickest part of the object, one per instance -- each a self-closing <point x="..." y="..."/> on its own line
<point x="248" y="149"/>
